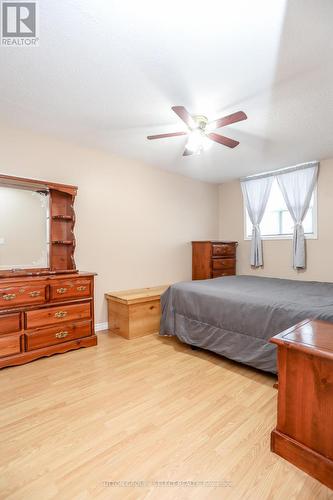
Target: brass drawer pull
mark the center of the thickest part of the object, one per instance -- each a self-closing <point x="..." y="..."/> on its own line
<point x="61" y="290"/>
<point x="9" y="296"/>
<point x="61" y="335"/>
<point x="35" y="293"/>
<point x="60" y="314"/>
<point x="81" y="288"/>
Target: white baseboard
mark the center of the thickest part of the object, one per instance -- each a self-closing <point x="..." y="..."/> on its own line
<point x="101" y="326"/>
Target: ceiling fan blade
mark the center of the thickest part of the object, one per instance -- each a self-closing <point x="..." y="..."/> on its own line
<point x="228" y="120"/>
<point x="184" y="115"/>
<point x="161" y="136"/>
<point x="221" y="139"/>
<point x="188" y="152"/>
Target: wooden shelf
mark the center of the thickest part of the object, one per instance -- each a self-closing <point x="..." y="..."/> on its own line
<point x="62" y="217"/>
<point x="63" y="242"/>
<point x="62" y="231"/>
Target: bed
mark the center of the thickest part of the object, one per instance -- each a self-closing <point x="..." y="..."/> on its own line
<point x="236" y="316"/>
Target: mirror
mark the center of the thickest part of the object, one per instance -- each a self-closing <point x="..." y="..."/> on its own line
<point x="24" y="228"/>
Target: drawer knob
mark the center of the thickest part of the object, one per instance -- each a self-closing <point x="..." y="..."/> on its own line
<point x="60" y="314"/>
<point x="35" y="293"/>
<point x="61" y="335"/>
<point x="81" y="288"/>
<point x="61" y="290"/>
<point x="9" y="296"/>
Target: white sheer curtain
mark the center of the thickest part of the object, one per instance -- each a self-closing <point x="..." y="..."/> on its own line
<point x="297" y="188"/>
<point x="256" y="193"/>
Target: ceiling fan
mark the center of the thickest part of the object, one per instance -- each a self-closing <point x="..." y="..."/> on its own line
<point x="200" y="131"/>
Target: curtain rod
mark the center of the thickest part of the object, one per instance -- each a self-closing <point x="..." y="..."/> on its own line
<point x="280" y="171"/>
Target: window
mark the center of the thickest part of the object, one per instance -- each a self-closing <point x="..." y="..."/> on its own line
<point x="277" y="222"/>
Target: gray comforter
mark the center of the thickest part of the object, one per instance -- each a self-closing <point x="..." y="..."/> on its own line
<point x="236" y="316"/>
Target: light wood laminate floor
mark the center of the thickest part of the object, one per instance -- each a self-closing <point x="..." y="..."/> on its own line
<point x="149" y="409"/>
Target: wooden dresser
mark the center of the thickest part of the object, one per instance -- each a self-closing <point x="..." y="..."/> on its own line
<point x="45" y="309"/>
<point x="304" y="430"/>
<point x="213" y="259"/>
<point x="40" y="316"/>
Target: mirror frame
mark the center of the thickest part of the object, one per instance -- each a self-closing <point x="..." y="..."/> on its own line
<point x="61" y="246"/>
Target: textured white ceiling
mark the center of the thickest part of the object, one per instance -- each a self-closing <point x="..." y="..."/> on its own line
<point x="106" y="74"/>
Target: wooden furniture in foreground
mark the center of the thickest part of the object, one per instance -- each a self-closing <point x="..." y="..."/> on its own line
<point x="304" y="431"/>
<point x="135" y="313"/>
<point x="49" y="310"/>
<point x="213" y="259"/>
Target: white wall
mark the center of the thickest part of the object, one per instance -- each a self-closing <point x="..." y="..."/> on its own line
<point x="134" y="222"/>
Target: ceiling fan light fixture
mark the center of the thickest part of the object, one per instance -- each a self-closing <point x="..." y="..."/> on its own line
<point x="200" y="131"/>
<point x="198" y="141"/>
<point x="206" y="143"/>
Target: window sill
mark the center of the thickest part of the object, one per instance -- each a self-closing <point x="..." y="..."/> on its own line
<point x="283" y="237"/>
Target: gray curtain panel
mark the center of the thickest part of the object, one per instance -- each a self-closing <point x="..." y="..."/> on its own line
<point x="297" y="188"/>
<point x="256" y="193"/>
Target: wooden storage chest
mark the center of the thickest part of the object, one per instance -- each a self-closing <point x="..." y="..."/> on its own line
<point x="135" y="313"/>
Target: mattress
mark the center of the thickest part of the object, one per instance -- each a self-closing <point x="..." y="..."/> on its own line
<point x="236" y="316"/>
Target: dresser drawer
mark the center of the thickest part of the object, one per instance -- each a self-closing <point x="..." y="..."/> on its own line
<point x="10" y="323"/>
<point x="60" y="314"/>
<point x="223" y="264"/>
<point x="70" y="289"/>
<point x="57" y="334"/>
<point x="12" y="296"/>
<point x="9" y="344"/>
<point x="223" y="249"/>
<point x="225" y="272"/>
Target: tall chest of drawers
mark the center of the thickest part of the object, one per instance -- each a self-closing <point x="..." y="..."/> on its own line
<point x="45" y="315"/>
<point x="213" y="259"/>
